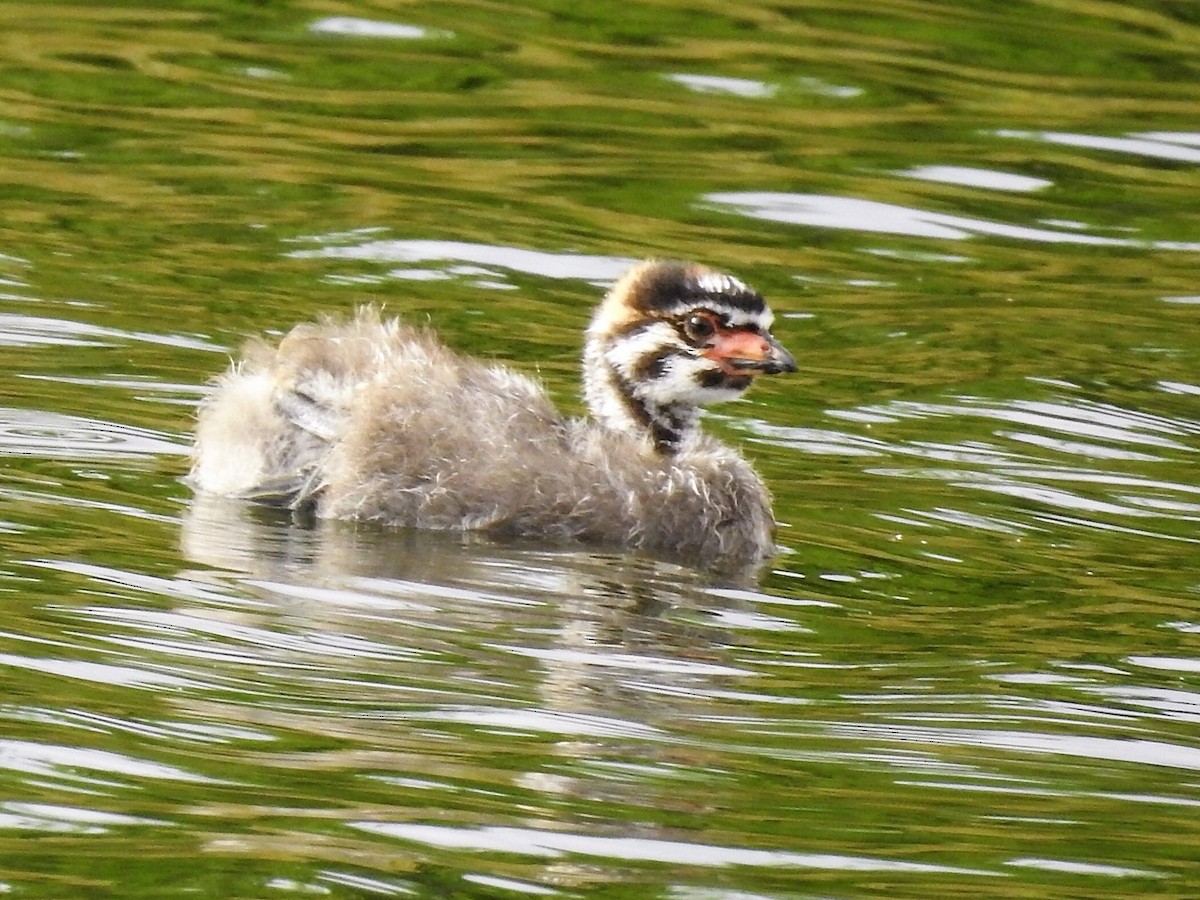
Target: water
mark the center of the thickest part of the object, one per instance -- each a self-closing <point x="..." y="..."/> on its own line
<point x="974" y="669"/>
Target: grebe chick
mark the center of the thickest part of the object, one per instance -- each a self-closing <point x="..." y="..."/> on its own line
<point x="373" y="420"/>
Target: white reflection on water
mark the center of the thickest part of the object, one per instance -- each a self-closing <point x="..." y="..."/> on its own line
<point x="65" y="819"/>
<point x="574" y="724"/>
<point x="355" y="27"/>
<point x="624" y="661"/>
<point x="53" y="760"/>
<point x="32" y="331"/>
<point x="69" y="501"/>
<point x="175" y="731"/>
<point x="1168" y="703"/>
<point x="1125" y="750"/>
<point x="810" y="85"/>
<point x="853" y="214"/>
<point x="716" y="84"/>
<point x="1158" y="144"/>
<point x="581" y="266"/>
<point x="519" y="887"/>
<point x="1076" y="438"/>
<point x="1074" y="867"/>
<point x="972" y="177"/>
<point x="47" y="435"/>
<point x="102" y="673"/>
<point x="750" y="89"/>
<point x="194" y="635"/>
<point x="555" y="844"/>
<point x="1166" y="663"/>
<point x="1190" y="138"/>
<point x="138" y="581"/>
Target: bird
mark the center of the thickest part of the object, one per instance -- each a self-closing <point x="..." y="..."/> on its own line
<point x="371" y="419"/>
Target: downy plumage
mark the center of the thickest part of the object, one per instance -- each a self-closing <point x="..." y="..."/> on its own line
<point x="374" y="420"/>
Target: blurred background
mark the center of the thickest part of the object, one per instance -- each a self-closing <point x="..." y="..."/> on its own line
<point x="974" y="669"/>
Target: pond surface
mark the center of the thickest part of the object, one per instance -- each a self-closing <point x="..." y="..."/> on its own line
<point x="974" y="669"/>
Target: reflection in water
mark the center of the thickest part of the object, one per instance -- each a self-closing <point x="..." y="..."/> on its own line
<point x="983" y="648"/>
<point x="1129" y="750"/>
<point x="354" y="27"/>
<point x="1073" y="435"/>
<point x="822" y="211"/>
<point x="715" y="84"/>
<point x="1158" y="145"/>
<point x="47" y="435"/>
<point x="615" y="664"/>
<point x="32" y="331"/>
<point x="601" y="269"/>
<point x="50" y="761"/>
<point x="750" y="89"/>
<point x="43" y="817"/>
<point x="981" y="178"/>
<point x="547" y="843"/>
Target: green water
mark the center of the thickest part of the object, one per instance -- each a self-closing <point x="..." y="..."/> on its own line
<point x="975" y="667"/>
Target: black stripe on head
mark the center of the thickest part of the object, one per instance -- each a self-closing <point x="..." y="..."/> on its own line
<point x="665" y="286"/>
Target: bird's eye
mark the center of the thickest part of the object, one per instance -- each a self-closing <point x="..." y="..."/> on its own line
<point x="698" y="328"/>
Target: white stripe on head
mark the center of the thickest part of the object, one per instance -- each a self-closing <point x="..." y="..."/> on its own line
<point x="731" y="316"/>
<point x="630" y="351"/>
<point x="712" y="282"/>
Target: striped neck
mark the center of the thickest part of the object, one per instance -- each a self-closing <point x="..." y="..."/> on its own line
<point x="623" y="404"/>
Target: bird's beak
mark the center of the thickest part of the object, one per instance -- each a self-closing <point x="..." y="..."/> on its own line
<point x="741" y="352"/>
<point x="778" y="359"/>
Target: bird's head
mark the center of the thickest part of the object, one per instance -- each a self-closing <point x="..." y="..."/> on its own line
<point x="670" y="337"/>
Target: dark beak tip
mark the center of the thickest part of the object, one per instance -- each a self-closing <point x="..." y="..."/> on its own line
<point x="781" y="362"/>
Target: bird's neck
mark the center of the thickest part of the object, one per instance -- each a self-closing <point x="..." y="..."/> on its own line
<point x="624" y="404"/>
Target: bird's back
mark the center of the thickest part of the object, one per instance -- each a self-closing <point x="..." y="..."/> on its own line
<point x="336" y="409"/>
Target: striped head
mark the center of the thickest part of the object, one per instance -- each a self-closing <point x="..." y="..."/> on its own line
<point x="669" y="338"/>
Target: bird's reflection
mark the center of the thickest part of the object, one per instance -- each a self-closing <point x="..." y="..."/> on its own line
<point x="269" y="543"/>
<point x="592" y="664"/>
<point x="599" y="627"/>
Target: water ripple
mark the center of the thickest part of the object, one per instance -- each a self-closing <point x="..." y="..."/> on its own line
<point x="1125" y="750"/>
<point x="1076" y="437"/>
<point x="102" y="673"/>
<point x="603" y="269"/>
<point x="32" y="331"/>
<point x="716" y="84"/>
<point x="355" y="27"/>
<point x="972" y="177"/>
<point x="539" y="720"/>
<point x="1157" y="145"/>
<point x="49" y="435"/>
<point x="1074" y="867"/>
<point x="624" y="661"/>
<point x="850" y="213"/>
<point x="556" y="844"/>
<point x="34" y="758"/>
<point x="65" y="819"/>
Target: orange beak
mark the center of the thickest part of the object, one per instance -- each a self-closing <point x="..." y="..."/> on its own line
<point x="742" y="352"/>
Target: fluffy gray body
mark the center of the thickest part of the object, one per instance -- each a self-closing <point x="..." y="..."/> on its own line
<point x="373" y="420"/>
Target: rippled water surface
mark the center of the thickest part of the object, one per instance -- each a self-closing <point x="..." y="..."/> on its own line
<point x="974" y="669"/>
